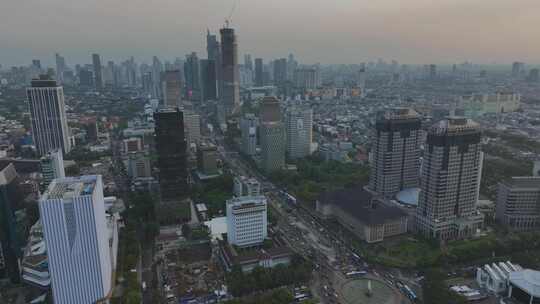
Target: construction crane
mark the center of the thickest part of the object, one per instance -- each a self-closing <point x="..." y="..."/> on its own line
<point x="229" y="18"/>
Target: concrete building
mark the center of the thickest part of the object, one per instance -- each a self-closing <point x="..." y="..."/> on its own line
<point x="518" y="203"/>
<point x="449" y="184"/>
<point x="361" y="81"/>
<point x="272" y="146"/>
<point x="98" y="76"/>
<point x="259" y="72"/>
<point x="192" y="76"/>
<point x="172" y="88"/>
<point x="358" y="210"/>
<point x="396" y="152"/>
<point x="171" y="154"/>
<point x="81" y="262"/>
<point x="138" y="165"/>
<point x="299" y="128"/>
<point x="48" y="116"/>
<point x="248" y="128"/>
<point x="192" y="127"/>
<point x="207" y="156"/>
<point x="230" y="88"/>
<point x="52" y="166"/>
<point x="247" y="221"/>
<point x="35" y="264"/>
<point x="500" y="102"/>
<point x="244" y="186"/>
<point x="132" y="144"/>
<point x="307" y="78"/>
<point x="208" y="79"/>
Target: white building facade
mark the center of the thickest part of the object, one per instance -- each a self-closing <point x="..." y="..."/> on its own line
<point x="247" y="220"/>
<point x="75" y="230"/>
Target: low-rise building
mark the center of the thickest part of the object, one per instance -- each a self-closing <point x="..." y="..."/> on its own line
<point x="494" y="277"/>
<point x="244" y="186"/>
<point x="518" y="203"/>
<point x="266" y="258"/>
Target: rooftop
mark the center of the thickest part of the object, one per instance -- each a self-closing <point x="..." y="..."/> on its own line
<point x="523" y="182"/>
<point x="527" y="280"/>
<point x="66" y="188"/>
<point x="453" y="125"/>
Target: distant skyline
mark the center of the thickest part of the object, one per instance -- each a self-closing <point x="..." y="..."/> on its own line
<point x="338" y="31"/>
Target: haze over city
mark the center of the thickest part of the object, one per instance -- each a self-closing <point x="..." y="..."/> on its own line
<point x="340" y="31"/>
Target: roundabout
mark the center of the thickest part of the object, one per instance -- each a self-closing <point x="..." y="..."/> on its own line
<point x="358" y="292"/>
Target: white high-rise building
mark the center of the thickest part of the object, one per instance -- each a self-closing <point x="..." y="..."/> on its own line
<point x="48" y="116"/>
<point x="248" y="128"/>
<point x="77" y="238"/>
<point x="299" y="124"/>
<point x="52" y="166"/>
<point x="395" y="161"/>
<point x="449" y="181"/>
<point x="247" y="223"/>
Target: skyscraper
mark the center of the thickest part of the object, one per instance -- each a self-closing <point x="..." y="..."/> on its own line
<point x="248" y="63"/>
<point x="208" y="79"/>
<point x="280" y="71"/>
<point x="192" y="127"/>
<point x="248" y="129"/>
<point x="299" y="124"/>
<point x="157" y="69"/>
<point x="98" y="81"/>
<point x="214" y="53"/>
<point x="52" y="167"/>
<point x="172" y="89"/>
<point x="48" y="116"/>
<point x="192" y="76"/>
<point x="171" y="153"/>
<point x="361" y="81"/>
<point x="75" y="229"/>
<point x="230" y="95"/>
<point x="259" y="72"/>
<point x="449" y="184"/>
<point x="272" y="135"/>
<point x="307" y="78"/>
<point x="60" y="68"/>
<point x="396" y="152"/>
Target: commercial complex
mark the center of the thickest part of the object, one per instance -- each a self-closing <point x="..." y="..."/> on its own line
<point x="48" y="116"/>
<point x="518" y="203"/>
<point x="81" y="260"/>
<point x="246" y="220"/>
<point x="396" y="152"/>
<point x="449" y="184"/>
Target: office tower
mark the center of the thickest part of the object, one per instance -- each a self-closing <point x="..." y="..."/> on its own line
<point x="432" y="71"/>
<point x="272" y="135"/>
<point x="269" y="109"/>
<point x="208" y="79"/>
<point x="157" y="68"/>
<point x="192" y="76"/>
<point x="48" y="116"/>
<point x="247" y="223"/>
<point x="517" y="68"/>
<point x="207" y="156"/>
<point x="52" y="167"/>
<point x="246" y="77"/>
<point x="396" y="151"/>
<point x="192" y="127"/>
<point x="75" y="228"/>
<point x="259" y="71"/>
<point x="98" y="81"/>
<point x="248" y="63"/>
<point x="244" y="186"/>
<point x="248" y="129"/>
<point x="280" y="71"/>
<point x="60" y="68"/>
<point x="212" y="46"/>
<point x="449" y="181"/>
<point x="172" y="89"/>
<point x="230" y="93"/>
<point x="214" y="53"/>
<point x="11" y="199"/>
<point x="518" y="203"/>
<point x="299" y="124"/>
<point x="307" y="78"/>
<point x="171" y="154"/>
<point x="86" y="78"/>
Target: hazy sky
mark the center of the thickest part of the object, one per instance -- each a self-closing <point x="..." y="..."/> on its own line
<point x="331" y="31"/>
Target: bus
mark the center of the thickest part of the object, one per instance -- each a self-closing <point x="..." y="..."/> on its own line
<point x="355" y="274"/>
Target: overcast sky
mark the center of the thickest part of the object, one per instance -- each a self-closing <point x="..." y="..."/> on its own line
<point x="331" y="31"/>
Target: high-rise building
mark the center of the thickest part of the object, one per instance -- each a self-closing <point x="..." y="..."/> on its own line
<point x="396" y="152"/>
<point x="449" y="181"/>
<point x="171" y="153"/>
<point x="60" y="68"/>
<point x="518" y="203"/>
<point x="259" y="72"/>
<point x="86" y="78"/>
<point x="307" y="78"/>
<point x="230" y="93"/>
<point x="299" y="126"/>
<point x="534" y="75"/>
<point x="272" y="135"/>
<point x="361" y="81"/>
<point x="138" y="165"/>
<point x="11" y="199"/>
<point x="280" y="71"/>
<point x="207" y="156"/>
<point x="192" y="76"/>
<point x="192" y="127"/>
<point x="248" y="63"/>
<point x="248" y="129"/>
<point x="517" y="68"/>
<point x="98" y="81"/>
<point x="208" y="79"/>
<point x="157" y="69"/>
<point x="214" y="53"/>
<point x="52" y="167"/>
<point x="244" y="186"/>
<point x="81" y="263"/>
<point x="247" y="223"/>
<point x="269" y="109"/>
<point x="432" y="71"/>
<point x="172" y="89"/>
<point x="48" y="116"/>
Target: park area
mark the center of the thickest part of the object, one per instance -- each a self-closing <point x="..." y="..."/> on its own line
<point x="356" y="292"/>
